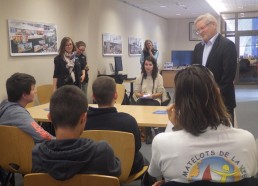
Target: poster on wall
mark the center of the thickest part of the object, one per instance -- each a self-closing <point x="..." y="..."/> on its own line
<point x="112" y="44"/>
<point x="31" y="38"/>
<point x="134" y="46"/>
<point x="193" y="36"/>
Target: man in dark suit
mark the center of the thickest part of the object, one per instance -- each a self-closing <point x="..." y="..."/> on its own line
<point x="219" y="55"/>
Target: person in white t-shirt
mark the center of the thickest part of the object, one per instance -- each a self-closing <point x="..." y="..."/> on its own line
<point x="202" y="145"/>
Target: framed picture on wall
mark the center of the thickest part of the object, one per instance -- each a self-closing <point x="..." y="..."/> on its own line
<point x="112" y="44"/>
<point x="192" y="33"/>
<point x="32" y="38"/>
<point x="134" y="46"/>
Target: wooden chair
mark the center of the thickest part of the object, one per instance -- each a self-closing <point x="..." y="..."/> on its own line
<point x="31" y="104"/>
<point x="44" y="93"/>
<point x="123" y="144"/>
<point x="15" y="150"/>
<point x="43" y="179"/>
<point x="120" y="89"/>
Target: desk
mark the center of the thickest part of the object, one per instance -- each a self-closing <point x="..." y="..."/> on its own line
<point x="122" y="78"/>
<point x="168" y="78"/>
<point x="131" y="81"/>
<point x="119" y="78"/>
<point x="143" y="114"/>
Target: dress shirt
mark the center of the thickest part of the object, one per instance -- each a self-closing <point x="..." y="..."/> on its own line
<point x="207" y="49"/>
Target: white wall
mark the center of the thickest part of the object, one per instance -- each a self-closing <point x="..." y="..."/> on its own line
<point x="115" y="17"/>
<point x="47" y="11"/>
<point x="81" y="20"/>
<point x="179" y="35"/>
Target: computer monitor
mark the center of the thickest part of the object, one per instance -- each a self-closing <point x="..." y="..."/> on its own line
<point x="118" y="64"/>
<point x="181" y="57"/>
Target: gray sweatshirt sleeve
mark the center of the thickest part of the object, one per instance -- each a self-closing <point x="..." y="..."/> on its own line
<point x="19" y="117"/>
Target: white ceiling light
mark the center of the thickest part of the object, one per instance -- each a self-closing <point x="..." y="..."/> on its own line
<point x="217" y="5"/>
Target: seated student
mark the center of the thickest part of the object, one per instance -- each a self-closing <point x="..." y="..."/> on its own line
<point x="69" y="154"/>
<point x="21" y="90"/>
<point x="106" y="116"/>
<point x="202" y="145"/>
<point x="148" y="89"/>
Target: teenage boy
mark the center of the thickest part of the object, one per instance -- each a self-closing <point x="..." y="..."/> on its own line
<point x="69" y="154"/>
<point x="106" y="117"/>
<point x="21" y="90"/>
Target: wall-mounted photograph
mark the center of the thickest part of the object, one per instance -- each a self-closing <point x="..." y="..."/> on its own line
<point x="193" y="36"/>
<point x="112" y="44"/>
<point x="134" y="46"/>
<point x="31" y="38"/>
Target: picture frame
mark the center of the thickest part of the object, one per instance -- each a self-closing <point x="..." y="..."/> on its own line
<point x="32" y="38"/>
<point x="192" y="33"/>
<point x="112" y="44"/>
<point x="134" y="46"/>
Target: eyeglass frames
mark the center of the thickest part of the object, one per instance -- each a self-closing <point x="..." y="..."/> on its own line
<point x="198" y="31"/>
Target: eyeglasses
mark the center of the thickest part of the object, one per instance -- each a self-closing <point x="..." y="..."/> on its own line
<point x="81" y="50"/>
<point x="198" y="31"/>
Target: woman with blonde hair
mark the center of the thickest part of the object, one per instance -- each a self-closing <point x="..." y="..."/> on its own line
<point x="149" y="50"/>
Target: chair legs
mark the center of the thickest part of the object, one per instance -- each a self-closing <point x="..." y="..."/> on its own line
<point x="9" y="180"/>
<point x="149" y="136"/>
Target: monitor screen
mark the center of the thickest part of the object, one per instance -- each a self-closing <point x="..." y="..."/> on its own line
<point x="118" y="64"/>
<point x="181" y="57"/>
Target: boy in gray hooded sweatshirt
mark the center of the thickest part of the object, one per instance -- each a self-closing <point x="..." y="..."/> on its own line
<point x="69" y="154"/>
<point x="21" y="90"/>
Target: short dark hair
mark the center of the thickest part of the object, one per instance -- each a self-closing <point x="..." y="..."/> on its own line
<point x="104" y="89"/>
<point x="155" y="67"/>
<point x="80" y="43"/>
<point x="198" y="102"/>
<point x="18" y="84"/>
<point x="67" y="104"/>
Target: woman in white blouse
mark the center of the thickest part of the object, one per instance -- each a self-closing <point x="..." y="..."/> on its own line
<point x="149" y="88"/>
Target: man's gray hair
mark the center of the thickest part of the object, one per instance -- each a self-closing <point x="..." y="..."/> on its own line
<point x="208" y="18"/>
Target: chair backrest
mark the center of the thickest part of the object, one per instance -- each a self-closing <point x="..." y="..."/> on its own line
<point x="43" y="179"/>
<point x="31" y="104"/>
<point x="15" y="150"/>
<point x="120" y="89"/>
<point x="123" y="145"/>
<point x="44" y="93"/>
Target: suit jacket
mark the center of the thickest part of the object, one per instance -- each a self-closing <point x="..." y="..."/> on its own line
<point x="222" y="62"/>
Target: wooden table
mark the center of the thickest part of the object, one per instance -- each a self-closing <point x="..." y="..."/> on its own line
<point x="143" y="114"/>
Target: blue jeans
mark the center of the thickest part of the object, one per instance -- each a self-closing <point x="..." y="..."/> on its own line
<point x="85" y="88"/>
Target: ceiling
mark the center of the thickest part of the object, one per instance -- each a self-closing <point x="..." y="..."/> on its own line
<point x="190" y="8"/>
